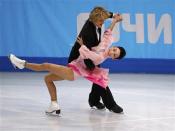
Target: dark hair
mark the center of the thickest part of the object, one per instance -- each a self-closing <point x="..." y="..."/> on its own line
<point x="122" y="52"/>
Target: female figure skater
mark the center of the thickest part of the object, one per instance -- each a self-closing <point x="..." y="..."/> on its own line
<point x="76" y="67"/>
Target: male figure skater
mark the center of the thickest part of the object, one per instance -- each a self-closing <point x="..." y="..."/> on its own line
<point x="91" y="34"/>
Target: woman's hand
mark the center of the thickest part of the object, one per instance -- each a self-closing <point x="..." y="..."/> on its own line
<point x="117" y="18"/>
<point x="80" y="41"/>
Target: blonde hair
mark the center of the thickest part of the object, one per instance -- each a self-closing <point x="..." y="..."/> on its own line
<point x="98" y="13"/>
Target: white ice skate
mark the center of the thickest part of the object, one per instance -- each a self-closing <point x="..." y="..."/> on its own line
<point x="53" y="109"/>
<point x="17" y="62"/>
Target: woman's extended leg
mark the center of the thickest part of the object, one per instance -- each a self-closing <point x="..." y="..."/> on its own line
<point x="63" y="72"/>
<point x="58" y="72"/>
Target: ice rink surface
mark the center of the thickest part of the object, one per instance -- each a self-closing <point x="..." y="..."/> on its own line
<point x="148" y="101"/>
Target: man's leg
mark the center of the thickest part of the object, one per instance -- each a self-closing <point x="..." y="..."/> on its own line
<point x="108" y="99"/>
<point x="110" y="102"/>
<point x="94" y="97"/>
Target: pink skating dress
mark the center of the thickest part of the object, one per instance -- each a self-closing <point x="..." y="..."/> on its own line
<point x="98" y="54"/>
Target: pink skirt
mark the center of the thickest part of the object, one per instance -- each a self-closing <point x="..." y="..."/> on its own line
<point x="98" y="76"/>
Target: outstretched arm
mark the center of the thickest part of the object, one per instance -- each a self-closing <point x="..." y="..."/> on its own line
<point x="116" y="18"/>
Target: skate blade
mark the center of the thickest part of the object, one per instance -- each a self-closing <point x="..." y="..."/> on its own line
<point x="54" y="113"/>
<point x="94" y="108"/>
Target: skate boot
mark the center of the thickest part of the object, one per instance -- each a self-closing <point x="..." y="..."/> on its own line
<point x="17" y="62"/>
<point x="53" y="108"/>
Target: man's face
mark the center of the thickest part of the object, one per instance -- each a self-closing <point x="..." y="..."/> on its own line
<point x="99" y="23"/>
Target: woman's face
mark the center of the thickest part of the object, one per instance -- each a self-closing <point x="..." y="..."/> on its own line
<point x="114" y="52"/>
